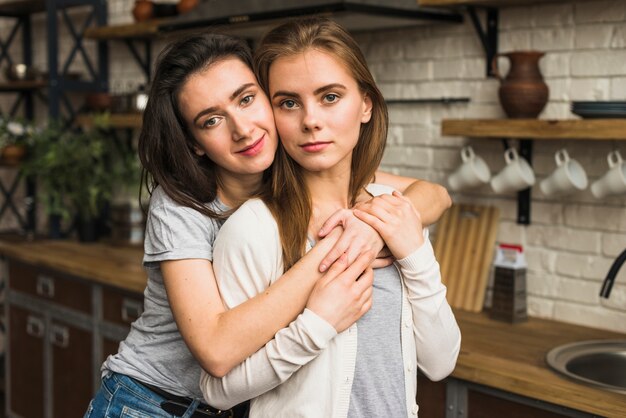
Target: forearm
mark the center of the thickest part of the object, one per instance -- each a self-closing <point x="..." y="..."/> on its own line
<point x="291" y="348"/>
<point x="247" y="327"/>
<point x="437" y="335"/>
<point x="431" y="200"/>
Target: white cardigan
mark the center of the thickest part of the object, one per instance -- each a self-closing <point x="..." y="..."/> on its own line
<point x="304" y="371"/>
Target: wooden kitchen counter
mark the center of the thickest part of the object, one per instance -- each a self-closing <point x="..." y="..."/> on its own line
<point x="511" y="357"/>
<point x="118" y="266"/>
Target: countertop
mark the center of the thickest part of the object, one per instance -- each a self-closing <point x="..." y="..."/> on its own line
<point x="511" y="357"/>
<point x="505" y="356"/>
<point x="118" y="266"/>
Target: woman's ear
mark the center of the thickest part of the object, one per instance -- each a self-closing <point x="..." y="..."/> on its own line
<point x="367" y="108"/>
<point x="198" y="151"/>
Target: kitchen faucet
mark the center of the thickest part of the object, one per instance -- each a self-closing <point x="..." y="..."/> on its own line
<point x="607" y="285"/>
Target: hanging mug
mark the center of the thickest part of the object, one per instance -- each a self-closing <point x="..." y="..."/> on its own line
<point x="613" y="181"/>
<point x="472" y="172"/>
<point x="569" y="176"/>
<point x="517" y="175"/>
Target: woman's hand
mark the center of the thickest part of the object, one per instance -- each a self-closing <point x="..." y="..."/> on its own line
<point x="357" y="238"/>
<point x="396" y="220"/>
<point x="383" y="259"/>
<point x="344" y="294"/>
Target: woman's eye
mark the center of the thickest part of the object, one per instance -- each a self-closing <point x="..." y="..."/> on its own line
<point x="331" y="98"/>
<point x="210" y="122"/>
<point x="247" y="100"/>
<point x="288" y="104"/>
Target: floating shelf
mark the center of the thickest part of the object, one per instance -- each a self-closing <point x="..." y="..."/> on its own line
<point x="22" y="7"/>
<point x="584" y="129"/>
<point x="117" y="120"/>
<point x="142" y="30"/>
<point x="492" y="3"/>
<point x="22" y="85"/>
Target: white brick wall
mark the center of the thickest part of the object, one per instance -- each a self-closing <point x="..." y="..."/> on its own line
<point x="573" y="240"/>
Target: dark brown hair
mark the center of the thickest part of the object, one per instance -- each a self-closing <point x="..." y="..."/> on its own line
<point x="166" y="147"/>
<point x="287" y="195"/>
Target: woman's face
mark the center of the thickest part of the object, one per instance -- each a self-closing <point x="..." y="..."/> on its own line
<point x="230" y="118"/>
<point x="318" y="109"/>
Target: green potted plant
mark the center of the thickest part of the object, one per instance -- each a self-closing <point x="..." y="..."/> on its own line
<point x="78" y="171"/>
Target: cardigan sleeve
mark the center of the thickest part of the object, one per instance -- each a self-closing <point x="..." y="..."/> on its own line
<point x="437" y="335"/>
<point x="247" y="259"/>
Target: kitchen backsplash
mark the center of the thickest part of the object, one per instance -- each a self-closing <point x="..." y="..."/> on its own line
<point x="571" y="241"/>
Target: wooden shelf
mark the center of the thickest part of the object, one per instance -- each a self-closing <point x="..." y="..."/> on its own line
<point x="22" y="7"/>
<point x="117" y="120"/>
<point x="142" y="30"/>
<point x="494" y="3"/>
<point x="586" y="129"/>
<point x="21" y="85"/>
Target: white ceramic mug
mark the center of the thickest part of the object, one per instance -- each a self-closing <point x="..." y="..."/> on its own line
<point x="472" y="172"/>
<point x="517" y="175"/>
<point x="614" y="180"/>
<point x="569" y="176"/>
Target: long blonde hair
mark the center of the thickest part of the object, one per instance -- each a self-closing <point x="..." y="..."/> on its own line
<point x="287" y="195"/>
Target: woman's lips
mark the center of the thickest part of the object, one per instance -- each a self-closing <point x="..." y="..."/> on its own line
<point x="253" y="149"/>
<point x="315" y="146"/>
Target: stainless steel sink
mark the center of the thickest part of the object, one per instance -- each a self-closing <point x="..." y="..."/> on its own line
<point x="600" y="363"/>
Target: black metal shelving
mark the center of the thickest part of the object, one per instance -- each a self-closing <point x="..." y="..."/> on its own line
<point x="53" y="90"/>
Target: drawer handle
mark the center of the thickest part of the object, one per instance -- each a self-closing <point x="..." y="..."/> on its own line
<point x="59" y="336"/>
<point x="45" y="286"/>
<point x="131" y="310"/>
<point x="34" y="326"/>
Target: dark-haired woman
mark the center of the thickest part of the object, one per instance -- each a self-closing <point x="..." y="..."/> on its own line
<point x="207" y="139"/>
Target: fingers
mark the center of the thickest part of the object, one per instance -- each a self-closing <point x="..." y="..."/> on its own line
<point x="381" y="262"/>
<point x="335" y="270"/>
<point x="335" y="219"/>
<point x="373" y="221"/>
<point x="357" y="270"/>
<point x="338" y="250"/>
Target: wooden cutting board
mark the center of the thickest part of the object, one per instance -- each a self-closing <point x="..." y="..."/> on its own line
<point x="464" y="246"/>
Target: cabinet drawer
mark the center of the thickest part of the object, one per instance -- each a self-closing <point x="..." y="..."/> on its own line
<point x="49" y="285"/>
<point x="121" y="307"/>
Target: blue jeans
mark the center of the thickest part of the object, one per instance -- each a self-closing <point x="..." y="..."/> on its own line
<point x="121" y="397"/>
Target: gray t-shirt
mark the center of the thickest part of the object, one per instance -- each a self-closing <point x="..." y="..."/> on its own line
<point x="154" y="351"/>
<point x="378" y="385"/>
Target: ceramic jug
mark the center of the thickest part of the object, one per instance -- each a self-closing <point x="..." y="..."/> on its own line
<point x="523" y="93"/>
<point x="143" y="10"/>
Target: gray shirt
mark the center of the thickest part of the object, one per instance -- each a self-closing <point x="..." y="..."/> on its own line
<point x="378" y="386"/>
<point x="154" y="351"/>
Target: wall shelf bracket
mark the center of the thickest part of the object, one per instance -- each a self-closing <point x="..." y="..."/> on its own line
<point x="145" y="62"/>
<point x="489" y="35"/>
<point x="523" y="196"/>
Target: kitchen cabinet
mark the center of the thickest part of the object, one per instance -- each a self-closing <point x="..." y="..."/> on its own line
<point x="26" y="369"/>
<point x="454" y="398"/>
<point x="61" y="328"/>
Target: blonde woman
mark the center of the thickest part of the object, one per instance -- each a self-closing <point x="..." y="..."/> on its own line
<point x="332" y="123"/>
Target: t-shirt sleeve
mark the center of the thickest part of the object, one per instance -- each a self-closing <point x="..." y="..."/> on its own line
<point x="175" y="232"/>
<point x="248" y="253"/>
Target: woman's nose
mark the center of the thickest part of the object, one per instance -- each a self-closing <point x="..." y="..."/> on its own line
<point x="242" y="128"/>
<point x="311" y="120"/>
